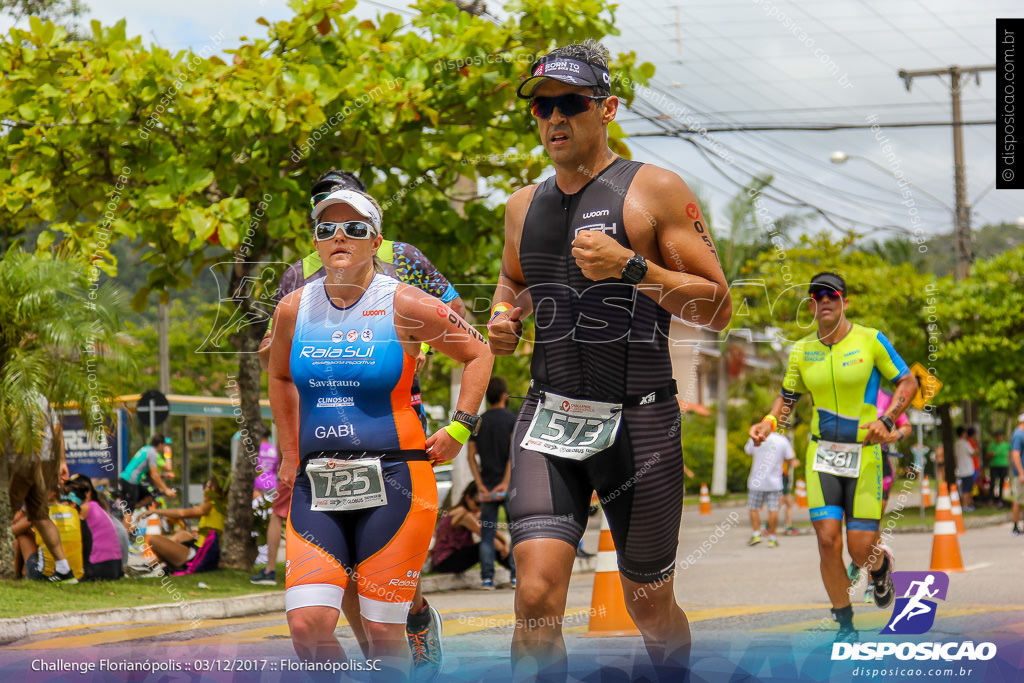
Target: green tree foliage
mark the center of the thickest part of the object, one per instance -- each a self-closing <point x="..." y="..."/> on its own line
<point x="60" y="338"/>
<point x="978" y="334"/>
<point x="205" y="160"/>
<point x="888" y="297"/>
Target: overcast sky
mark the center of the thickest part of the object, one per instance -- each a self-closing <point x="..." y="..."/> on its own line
<point x="763" y="62"/>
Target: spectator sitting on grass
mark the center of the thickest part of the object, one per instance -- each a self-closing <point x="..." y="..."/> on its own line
<point x="455" y="549"/>
<point x="102" y="546"/>
<point x="37" y="560"/>
<point x="179" y="549"/>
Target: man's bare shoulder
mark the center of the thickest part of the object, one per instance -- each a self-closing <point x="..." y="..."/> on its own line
<point x="521" y="198"/>
<point x="660" y="182"/>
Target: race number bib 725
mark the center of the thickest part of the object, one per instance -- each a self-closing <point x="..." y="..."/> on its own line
<point x="840" y="459"/>
<point x="572" y="428"/>
<point x="345" y="484"/>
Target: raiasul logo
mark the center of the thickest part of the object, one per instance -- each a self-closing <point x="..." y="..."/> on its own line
<point x="914" y="612"/>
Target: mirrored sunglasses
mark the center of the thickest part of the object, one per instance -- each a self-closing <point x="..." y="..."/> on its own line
<point x="822" y="294"/>
<point x="319" y="197"/>
<point x="570" y="104"/>
<point x="357" y="230"/>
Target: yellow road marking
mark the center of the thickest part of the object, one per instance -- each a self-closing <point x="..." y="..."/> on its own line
<point x="64" y="629"/>
<point x="475" y="624"/>
<point x="255" y="635"/>
<point x="133" y="633"/>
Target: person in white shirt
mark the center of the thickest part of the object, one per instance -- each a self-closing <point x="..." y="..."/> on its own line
<point x="765" y="483"/>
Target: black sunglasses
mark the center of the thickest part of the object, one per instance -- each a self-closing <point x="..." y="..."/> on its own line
<point x="357" y="230"/>
<point x="822" y="294"/>
<point x="569" y="104"/>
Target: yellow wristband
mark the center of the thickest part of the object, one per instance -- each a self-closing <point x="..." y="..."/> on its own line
<point x="425" y="348"/>
<point x="499" y="308"/>
<point x="770" y="419"/>
<point x="459" y="431"/>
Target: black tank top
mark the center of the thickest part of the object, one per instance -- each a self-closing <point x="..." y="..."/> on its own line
<point x="600" y="340"/>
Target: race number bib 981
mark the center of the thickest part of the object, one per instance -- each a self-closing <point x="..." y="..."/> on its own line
<point x="840" y="459"/>
<point x="345" y="484"/>
<point x="572" y="428"/>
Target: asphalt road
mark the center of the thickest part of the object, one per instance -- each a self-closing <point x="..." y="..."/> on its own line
<point x="756" y="613"/>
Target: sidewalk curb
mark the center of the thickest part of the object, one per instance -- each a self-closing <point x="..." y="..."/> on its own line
<point x="221" y="608"/>
<point x="191" y="610"/>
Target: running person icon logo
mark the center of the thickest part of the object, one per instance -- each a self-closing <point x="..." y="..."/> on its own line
<point x="914" y="612"/>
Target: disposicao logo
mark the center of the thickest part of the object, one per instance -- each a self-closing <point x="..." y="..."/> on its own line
<point x="914" y="614"/>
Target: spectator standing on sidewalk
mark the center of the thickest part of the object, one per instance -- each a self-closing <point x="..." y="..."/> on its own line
<point x="787" y="501"/>
<point x="765" y="483"/>
<point x="998" y="466"/>
<point x="963" y="451"/>
<point x="493" y="472"/>
<point x="1017" y="474"/>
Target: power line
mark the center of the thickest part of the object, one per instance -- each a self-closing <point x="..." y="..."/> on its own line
<point x="745" y="128"/>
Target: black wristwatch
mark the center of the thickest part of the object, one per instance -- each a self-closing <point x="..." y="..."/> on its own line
<point x="471" y="421"/>
<point x="634" y="270"/>
<point x="887" y="421"/>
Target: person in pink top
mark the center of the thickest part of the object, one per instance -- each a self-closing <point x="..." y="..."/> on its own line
<point x="267" y="464"/>
<point x="904" y="428"/>
<point x="101" y="547"/>
<point x="888" y="472"/>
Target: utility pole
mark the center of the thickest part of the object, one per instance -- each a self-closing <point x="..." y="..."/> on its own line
<point x="963" y="221"/>
<point x="162" y="313"/>
<point x="963" y="210"/>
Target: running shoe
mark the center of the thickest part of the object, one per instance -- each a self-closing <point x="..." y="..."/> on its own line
<point x="487" y="584"/>
<point x="1017" y="531"/>
<point x="853" y="572"/>
<point x="583" y="554"/>
<point x="773" y="543"/>
<point x="427" y="652"/>
<point x="63" y="578"/>
<point x="264" y="578"/>
<point x="884" y="590"/>
<point x="792" y="531"/>
<point x="754" y="539"/>
<point x="847" y="635"/>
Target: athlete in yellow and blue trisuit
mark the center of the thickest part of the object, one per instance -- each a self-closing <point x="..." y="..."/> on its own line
<point x="841" y="365"/>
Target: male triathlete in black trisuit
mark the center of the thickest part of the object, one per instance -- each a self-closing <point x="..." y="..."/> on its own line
<point x="603" y="254"/>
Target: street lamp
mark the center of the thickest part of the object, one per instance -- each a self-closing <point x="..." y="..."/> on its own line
<point x="840" y="157"/>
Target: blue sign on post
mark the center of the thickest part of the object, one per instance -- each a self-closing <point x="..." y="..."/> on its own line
<point x="89" y="451"/>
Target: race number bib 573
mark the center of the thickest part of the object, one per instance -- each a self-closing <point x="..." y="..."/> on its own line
<point x="345" y="484"/>
<point x="840" y="459"/>
<point x="572" y="428"/>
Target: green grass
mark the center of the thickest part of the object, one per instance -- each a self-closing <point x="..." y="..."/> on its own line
<point x="911" y="516"/>
<point x="24" y="597"/>
<point x="693" y="497"/>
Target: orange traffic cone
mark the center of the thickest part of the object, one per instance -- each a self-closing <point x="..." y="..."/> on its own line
<point x="801" y="494"/>
<point x="153" y="528"/>
<point x="608" y="615"/>
<point x="958" y="513"/>
<point x="705" y="500"/>
<point x="945" y="547"/>
<point x="926" y="493"/>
